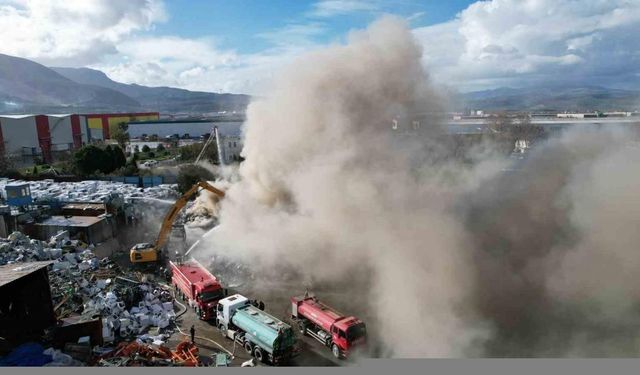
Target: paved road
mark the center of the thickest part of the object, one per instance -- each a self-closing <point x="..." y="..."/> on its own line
<point x="312" y="353"/>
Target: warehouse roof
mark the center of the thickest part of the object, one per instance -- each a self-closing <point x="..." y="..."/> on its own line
<point x="72" y="221"/>
<point x="12" y="272"/>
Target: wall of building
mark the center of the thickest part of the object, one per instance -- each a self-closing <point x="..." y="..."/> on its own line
<point x="19" y="133"/>
<point x="68" y="132"/>
<point x="193" y="128"/>
<point x="231" y="148"/>
<point x="101" y="125"/>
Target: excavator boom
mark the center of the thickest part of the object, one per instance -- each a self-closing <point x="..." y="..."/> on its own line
<point x="177" y="207"/>
<point x="167" y="222"/>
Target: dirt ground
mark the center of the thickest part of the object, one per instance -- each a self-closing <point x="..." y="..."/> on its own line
<point x="208" y="338"/>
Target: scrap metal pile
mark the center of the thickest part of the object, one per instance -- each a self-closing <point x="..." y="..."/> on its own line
<point x="140" y="354"/>
<point x="89" y="191"/>
<point x="20" y="248"/>
<point x="83" y="284"/>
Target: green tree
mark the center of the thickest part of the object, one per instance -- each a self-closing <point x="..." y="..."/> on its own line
<point x="189" y="174"/>
<point x="117" y="157"/>
<point x="87" y="159"/>
<point x="92" y="159"/>
<point x="121" y="135"/>
<point x="145" y="148"/>
<point x="160" y="147"/>
<point x="191" y="152"/>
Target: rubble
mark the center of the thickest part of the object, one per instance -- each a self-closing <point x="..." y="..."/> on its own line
<point x="141" y="354"/>
<point x="81" y="284"/>
<point x="90" y="190"/>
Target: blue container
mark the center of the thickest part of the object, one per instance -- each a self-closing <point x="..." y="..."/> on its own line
<point x="134" y="180"/>
<point x="148" y="181"/>
<point x="18" y="194"/>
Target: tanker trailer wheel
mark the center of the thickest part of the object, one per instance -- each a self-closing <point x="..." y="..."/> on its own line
<point x="257" y="353"/>
<point x="335" y="350"/>
<point x="303" y="328"/>
<point x="247" y="347"/>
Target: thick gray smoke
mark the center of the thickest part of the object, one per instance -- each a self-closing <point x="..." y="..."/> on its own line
<point x="448" y="260"/>
<point x="327" y="189"/>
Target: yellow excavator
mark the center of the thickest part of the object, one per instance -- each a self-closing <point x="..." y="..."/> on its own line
<point x="145" y="252"/>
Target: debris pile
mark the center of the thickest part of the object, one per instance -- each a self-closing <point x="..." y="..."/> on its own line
<point x="141" y="354"/>
<point x="18" y="247"/>
<point x="90" y="191"/>
<point x="83" y="284"/>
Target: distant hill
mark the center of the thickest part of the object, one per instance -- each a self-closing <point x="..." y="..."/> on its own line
<point x="165" y="99"/>
<point x="26" y="85"/>
<point x="551" y="97"/>
<point x="29" y="87"/>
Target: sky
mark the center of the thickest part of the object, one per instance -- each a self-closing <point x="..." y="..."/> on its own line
<point x="237" y="46"/>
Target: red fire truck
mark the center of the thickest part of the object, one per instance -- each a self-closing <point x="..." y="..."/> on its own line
<point x="335" y="330"/>
<point x="197" y="286"/>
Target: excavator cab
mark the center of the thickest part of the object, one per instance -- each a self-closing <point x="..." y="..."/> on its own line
<point x="151" y="253"/>
<point x="143" y="253"/>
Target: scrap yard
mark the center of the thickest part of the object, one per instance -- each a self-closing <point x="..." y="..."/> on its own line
<point x="76" y="291"/>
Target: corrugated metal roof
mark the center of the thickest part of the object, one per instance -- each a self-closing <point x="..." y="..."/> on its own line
<point x="73" y="221"/>
<point x="36" y="114"/>
<point x="12" y="272"/>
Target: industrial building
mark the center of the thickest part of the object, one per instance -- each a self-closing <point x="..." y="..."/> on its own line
<point x="229" y="129"/>
<point x="26" y="307"/>
<point x="25" y="138"/>
<point x="101" y="125"/>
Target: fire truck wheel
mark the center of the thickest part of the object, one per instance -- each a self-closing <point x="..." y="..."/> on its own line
<point x="335" y="350"/>
<point x="247" y="347"/>
<point x="257" y="352"/>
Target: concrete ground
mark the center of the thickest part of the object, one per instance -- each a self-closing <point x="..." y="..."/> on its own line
<point x="209" y="340"/>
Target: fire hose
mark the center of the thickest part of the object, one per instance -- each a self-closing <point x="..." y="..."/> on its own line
<point x="199" y="337"/>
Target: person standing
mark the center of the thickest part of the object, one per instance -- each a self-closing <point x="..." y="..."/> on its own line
<point x="193" y="334"/>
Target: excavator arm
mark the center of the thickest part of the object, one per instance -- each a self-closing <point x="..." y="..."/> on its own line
<point x="170" y="217"/>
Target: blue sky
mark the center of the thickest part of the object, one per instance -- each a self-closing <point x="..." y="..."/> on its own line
<point x="239" y="45"/>
<point x="238" y="24"/>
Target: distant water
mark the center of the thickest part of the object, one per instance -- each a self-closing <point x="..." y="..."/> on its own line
<point x="194" y="129"/>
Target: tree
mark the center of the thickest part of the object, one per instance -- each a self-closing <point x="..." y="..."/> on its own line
<point x="121" y="135"/>
<point x="117" y="158"/>
<point x="191" y="152"/>
<point x="145" y="148"/>
<point x="189" y="174"/>
<point x="91" y="159"/>
<point x="160" y="147"/>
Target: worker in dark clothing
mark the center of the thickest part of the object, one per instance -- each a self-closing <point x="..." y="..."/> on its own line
<point x="261" y="307"/>
<point x="193" y="334"/>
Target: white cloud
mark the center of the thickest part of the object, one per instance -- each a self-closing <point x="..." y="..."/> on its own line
<point x="491" y="43"/>
<point x="513" y="42"/>
<point x="331" y="8"/>
<point x="72" y="32"/>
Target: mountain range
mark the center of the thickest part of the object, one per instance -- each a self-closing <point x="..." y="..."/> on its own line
<point x="29" y="87"/>
<point x="551" y="97"/>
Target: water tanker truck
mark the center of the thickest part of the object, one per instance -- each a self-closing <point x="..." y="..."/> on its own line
<point x="197" y="286"/>
<point x="265" y="337"/>
<point x="337" y="331"/>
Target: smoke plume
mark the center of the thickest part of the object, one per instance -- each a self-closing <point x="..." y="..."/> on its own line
<point x="446" y="259"/>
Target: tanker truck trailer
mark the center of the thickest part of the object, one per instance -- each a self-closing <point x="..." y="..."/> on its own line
<point x="337" y="331"/>
<point x="265" y="337"/>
